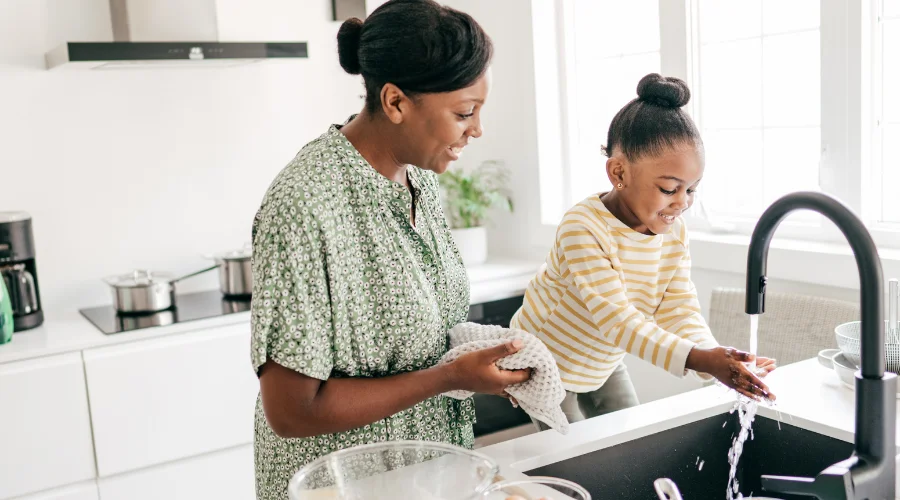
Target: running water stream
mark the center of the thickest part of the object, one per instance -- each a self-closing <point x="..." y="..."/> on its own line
<point x="746" y="409"/>
<point x="754" y="338"/>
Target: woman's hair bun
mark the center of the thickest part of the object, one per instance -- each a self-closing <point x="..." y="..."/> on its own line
<point x="348" y="45"/>
<point x="664" y="91"/>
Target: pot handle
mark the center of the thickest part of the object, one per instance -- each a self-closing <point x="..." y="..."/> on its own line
<point x="195" y="273"/>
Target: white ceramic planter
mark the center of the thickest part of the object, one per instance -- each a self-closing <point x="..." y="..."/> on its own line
<point x="472" y="244"/>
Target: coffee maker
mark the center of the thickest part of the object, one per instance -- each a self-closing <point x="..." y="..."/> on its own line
<point x="19" y="271"/>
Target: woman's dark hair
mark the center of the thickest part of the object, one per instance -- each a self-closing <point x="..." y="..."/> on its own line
<point x="654" y="122"/>
<point x="418" y="45"/>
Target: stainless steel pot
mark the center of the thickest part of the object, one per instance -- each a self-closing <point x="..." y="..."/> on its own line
<point x="143" y="291"/>
<point x="235" y="273"/>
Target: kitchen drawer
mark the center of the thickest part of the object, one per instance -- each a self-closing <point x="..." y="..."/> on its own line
<point x="45" y="427"/>
<point x="165" y="399"/>
<point x="80" y="491"/>
<point x="223" y="475"/>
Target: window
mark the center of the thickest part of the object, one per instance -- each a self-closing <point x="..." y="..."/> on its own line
<point x="771" y="95"/>
<point x="758" y="101"/>
<point x="888" y="117"/>
<point x="609" y="59"/>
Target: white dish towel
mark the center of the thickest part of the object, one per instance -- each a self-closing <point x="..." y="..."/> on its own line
<point x="541" y="395"/>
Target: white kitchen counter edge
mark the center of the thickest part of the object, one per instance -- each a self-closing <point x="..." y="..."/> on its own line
<point x="809" y="397"/>
<point x="69" y="331"/>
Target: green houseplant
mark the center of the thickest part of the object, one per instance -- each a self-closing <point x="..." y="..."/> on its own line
<point x="469" y="197"/>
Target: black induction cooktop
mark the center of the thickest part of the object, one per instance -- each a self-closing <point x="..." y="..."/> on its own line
<point x="188" y="307"/>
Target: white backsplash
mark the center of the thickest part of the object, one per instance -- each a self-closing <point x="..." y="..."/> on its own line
<point x="149" y="168"/>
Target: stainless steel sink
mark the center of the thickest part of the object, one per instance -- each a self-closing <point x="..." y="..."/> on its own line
<point x="627" y="470"/>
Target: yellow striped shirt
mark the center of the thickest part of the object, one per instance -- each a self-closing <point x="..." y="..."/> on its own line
<point x="607" y="290"/>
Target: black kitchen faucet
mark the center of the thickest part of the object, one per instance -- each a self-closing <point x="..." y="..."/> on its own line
<point x="869" y="473"/>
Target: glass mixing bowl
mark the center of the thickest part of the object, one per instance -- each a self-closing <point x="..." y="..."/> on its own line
<point x="418" y="470"/>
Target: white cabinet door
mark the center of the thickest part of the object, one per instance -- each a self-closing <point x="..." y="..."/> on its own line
<point x="81" y="491"/>
<point x="160" y="400"/>
<point x="45" y="426"/>
<point x="224" y="475"/>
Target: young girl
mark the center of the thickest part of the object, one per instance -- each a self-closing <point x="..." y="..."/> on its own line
<point x="618" y="281"/>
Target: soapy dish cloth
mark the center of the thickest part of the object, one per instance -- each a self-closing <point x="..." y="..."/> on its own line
<point x="541" y="395"/>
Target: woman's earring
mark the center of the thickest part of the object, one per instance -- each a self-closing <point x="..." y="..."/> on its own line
<point x="620" y="185"/>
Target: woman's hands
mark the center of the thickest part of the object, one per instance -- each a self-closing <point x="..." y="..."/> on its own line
<point x="728" y="366"/>
<point x="478" y="372"/>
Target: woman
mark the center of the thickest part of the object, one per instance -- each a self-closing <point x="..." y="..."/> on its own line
<point x="356" y="278"/>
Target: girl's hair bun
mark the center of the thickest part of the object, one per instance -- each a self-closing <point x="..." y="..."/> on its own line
<point x="664" y="91"/>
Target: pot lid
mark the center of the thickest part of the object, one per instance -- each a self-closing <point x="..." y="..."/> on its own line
<point x="139" y="278"/>
<point x="244" y="253"/>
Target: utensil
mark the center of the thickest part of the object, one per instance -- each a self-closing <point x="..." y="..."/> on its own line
<point x="834" y="359"/>
<point x="235" y="271"/>
<point x="143" y="291"/>
<point x="667" y="490"/>
<point x="6" y="315"/>
<point x="847" y="336"/>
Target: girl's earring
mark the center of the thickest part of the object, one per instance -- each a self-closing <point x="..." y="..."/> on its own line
<point x="620" y="185"/>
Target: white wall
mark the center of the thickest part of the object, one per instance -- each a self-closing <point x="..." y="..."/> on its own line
<point x="151" y="168"/>
<point x="509" y="119"/>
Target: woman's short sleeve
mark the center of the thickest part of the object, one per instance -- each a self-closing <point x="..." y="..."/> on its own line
<point x="291" y="310"/>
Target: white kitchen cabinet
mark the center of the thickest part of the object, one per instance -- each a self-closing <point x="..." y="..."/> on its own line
<point x="81" y="491"/>
<point x="45" y="427"/>
<point x="224" y="475"/>
<point x="161" y="400"/>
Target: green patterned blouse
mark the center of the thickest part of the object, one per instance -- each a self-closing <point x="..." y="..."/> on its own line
<point x="345" y="286"/>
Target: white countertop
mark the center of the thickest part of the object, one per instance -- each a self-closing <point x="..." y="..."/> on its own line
<point x="68" y="331"/>
<point x="809" y="396"/>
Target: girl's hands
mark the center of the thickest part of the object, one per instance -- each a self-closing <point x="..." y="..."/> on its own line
<point x="728" y="366"/>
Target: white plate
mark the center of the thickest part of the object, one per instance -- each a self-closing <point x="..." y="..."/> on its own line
<point x="835" y="360"/>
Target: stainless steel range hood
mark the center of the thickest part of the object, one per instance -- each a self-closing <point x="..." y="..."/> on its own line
<point x="176" y="33"/>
